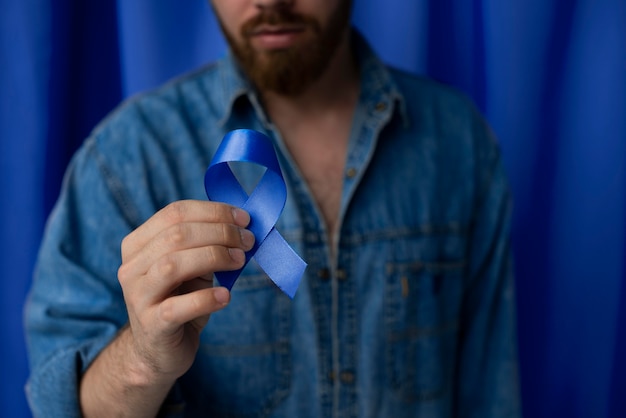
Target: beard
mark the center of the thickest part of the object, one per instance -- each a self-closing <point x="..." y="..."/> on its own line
<point x="290" y="71"/>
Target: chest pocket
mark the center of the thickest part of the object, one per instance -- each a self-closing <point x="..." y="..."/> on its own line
<point x="244" y="361"/>
<point x="421" y="315"/>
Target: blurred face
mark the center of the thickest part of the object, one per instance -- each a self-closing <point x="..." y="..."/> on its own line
<point x="283" y="45"/>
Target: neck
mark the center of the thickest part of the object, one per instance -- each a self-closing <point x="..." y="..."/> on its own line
<point x="315" y="127"/>
<point x="337" y="86"/>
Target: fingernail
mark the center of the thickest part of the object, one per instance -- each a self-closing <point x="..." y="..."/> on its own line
<point x="241" y="217"/>
<point x="247" y="238"/>
<point x="237" y="254"/>
<point x="221" y="295"/>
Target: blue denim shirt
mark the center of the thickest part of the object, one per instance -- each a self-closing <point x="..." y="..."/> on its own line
<point x="413" y="316"/>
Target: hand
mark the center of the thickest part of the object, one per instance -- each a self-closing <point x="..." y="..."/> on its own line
<point x="167" y="279"/>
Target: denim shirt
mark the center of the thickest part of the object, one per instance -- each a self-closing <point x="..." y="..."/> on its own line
<point x="413" y="315"/>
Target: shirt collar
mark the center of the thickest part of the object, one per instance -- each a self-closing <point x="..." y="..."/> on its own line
<point x="234" y="84"/>
<point x="377" y="83"/>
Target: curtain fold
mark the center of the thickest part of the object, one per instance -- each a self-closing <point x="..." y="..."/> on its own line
<point x="24" y="53"/>
<point x="550" y="77"/>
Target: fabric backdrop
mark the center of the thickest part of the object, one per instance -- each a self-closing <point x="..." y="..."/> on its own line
<point x="549" y="75"/>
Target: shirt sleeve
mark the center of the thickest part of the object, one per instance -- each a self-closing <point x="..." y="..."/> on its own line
<point x="488" y="381"/>
<point x="75" y="306"/>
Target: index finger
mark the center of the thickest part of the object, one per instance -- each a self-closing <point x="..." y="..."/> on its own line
<point x="179" y="212"/>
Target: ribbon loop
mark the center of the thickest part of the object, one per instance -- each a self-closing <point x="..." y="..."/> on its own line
<point x="264" y="204"/>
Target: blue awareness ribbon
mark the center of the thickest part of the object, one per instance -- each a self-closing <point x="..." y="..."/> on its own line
<point x="264" y="204"/>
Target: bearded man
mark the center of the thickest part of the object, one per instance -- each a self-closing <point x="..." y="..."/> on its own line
<point x="397" y="201"/>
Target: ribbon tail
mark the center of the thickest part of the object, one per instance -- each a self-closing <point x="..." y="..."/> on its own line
<point x="284" y="267"/>
<point x="265" y="204"/>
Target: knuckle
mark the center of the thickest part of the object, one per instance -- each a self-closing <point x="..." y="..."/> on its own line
<point x="212" y="209"/>
<point x="167" y="313"/>
<point x="123" y="274"/>
<point x="164" y="268"/>
<point x="177" y="234"/>
<point x="175" y="212"/>
<point x="196" y="304"/>
<point x="212" y="256"/>
<point x="226" y="233"/>
<point x="219" y="258"/>
<point x="220" y="212"/>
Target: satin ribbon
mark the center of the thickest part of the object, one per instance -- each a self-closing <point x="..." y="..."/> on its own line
<point x="264" y="204"/>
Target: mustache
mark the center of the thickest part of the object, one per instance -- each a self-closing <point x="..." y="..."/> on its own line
<point x="278" y="17"/>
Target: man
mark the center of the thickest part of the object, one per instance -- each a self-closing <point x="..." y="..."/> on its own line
<point x="397" y="202"/>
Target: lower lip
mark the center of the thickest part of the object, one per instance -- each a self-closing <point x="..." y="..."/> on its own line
<point x="279" y="40"/>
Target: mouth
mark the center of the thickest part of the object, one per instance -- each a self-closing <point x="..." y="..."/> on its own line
<point x="275" y="37"/>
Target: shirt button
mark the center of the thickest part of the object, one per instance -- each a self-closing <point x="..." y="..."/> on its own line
<point x="380" y="106"/>
<point x="324" y="274"/>
<point x="331" y="376"/>
<point x="351" y="172"/>
<point x="341" y="275"/>
<point x="346" y="377"/>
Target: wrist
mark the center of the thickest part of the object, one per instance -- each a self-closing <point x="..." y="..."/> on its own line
<point x="139" y="371"/>
<point x="119" y="383"/>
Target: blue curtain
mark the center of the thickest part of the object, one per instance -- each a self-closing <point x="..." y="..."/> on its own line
<point x="549" y="75"/>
